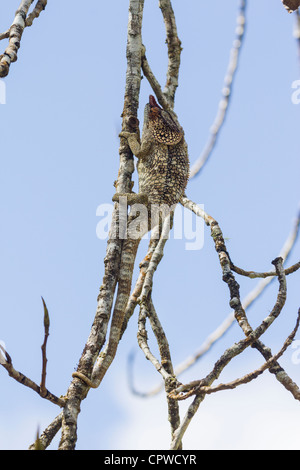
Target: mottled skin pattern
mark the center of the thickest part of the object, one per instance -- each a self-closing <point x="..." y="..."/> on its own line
<point x="163" y="165"/>
<point x="163" y="169"/>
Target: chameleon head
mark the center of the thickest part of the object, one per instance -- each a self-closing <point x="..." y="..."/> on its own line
<point x="164" y="128"/>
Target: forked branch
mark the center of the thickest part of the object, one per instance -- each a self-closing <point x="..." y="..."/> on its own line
<point x="15" y="32"/>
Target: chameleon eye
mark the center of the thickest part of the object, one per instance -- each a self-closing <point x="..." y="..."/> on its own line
<point x="154" y="112"/>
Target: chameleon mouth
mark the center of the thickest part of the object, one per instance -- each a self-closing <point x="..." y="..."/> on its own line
<point x="152" y="102"/>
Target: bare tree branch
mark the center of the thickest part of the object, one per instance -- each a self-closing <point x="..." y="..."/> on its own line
<point x="15" y="35"/>
<point x="22" y="379"/>
<point x="164" y="366"/>
<point x="235" y="302"/>
<point x="226" y="91"/>
<point x="239" y="347"/>
<point x="297" y="32"/>
<point x="155" y="85"/>
<point x="4" y="35"/>
<point x="253" y="274"/>
<point x="230" y="353"/>
<point x="95" y="361"/>
<point x="44" y="346"/>
<point x="78" y="388"/>
<point x="198" y="388"/>
<point x="174" y="50"/>
<point x="39" y="7"/>
<point x="253" y="295"/>
<point x="50" y="432"/>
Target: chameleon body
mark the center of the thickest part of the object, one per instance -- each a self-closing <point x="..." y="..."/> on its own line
<point x="163" y="165"/>
<point x="163" y="169"/>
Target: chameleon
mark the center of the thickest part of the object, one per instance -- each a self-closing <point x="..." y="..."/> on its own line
<point x="163" y="173"/>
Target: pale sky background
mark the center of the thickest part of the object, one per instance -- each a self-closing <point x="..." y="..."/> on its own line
<point x="59" y="150"/>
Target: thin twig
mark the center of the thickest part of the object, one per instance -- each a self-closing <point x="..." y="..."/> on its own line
<point x="254" y="275"/>
<point x="226" y="92"/>
<point x="142" y="338"/>
<point x="44" y="346"/>
<point x="164" y="366"/>
<point x="145" y="298"/>
<point x="228" y="355"/>
<point x="166" y="361"/>
<point x="297" y="32"/>
<point x="39" y="7"/>
<point x="239" y="347"/>
<point x="235" y="302"/>
<point x="15" y="35"/>
<point x="253" y="295"/>
<point x="154" y="83"/>
<point x="22" y="379"/>
<point x="50" y="432"/>
<point x="248" y="300"/>
<point x="4" y="35"/>
<point x="174" y="50"/>
<point x="196" y="387"/>
<point x="253" y="375"/>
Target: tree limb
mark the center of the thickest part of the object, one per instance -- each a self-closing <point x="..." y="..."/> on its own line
<point x="174" y="50"/>
<point x="15" y="35"/>
<point x="78" y="389"/>
<point x="226" y="92"/>
<point x="22" y="379"/>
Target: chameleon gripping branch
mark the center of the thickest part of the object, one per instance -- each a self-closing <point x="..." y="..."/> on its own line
<point x="163" y="169"/>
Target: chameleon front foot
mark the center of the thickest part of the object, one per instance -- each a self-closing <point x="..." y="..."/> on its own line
<point x="127" y="134"/>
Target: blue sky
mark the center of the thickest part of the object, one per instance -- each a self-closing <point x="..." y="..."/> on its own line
<point x="59" y="150"/>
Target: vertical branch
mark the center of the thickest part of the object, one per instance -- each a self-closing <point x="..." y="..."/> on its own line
<point x="174" y="50"/>
<point x="78" y="389"/>
<point x="166" y="362"/>
<point x="44" y="346"/>
<point x="226" y="91"/>
<point x="192" y="410"/>
<point x="297" y="32"/>
<point x="164" y="366"/>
